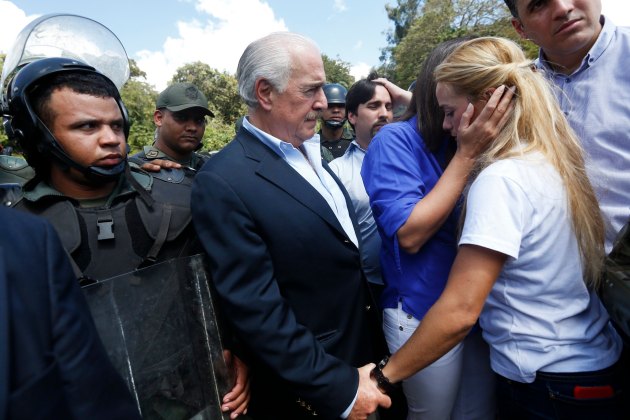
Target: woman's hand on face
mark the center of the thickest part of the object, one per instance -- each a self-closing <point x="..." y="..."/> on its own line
<point x="473" y="138"/>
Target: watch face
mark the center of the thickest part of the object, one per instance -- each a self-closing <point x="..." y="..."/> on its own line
<point x="383" y="362"/>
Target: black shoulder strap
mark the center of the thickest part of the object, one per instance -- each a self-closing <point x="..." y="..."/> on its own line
<point x="162" y="234"/>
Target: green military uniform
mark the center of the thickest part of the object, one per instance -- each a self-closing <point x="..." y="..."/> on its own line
<point x="39" y="190"/>
<point x="336" y="148"/>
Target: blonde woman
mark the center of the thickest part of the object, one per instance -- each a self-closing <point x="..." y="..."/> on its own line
<point x="530" y="252"/>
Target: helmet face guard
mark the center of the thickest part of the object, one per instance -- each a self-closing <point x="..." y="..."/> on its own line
<point x="67" y="36"/>
<point x="50" y="45"/>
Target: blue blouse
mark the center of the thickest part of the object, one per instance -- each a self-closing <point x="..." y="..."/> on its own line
<point x="398" y="171"/>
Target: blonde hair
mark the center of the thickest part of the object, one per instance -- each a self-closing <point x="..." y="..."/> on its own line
<point x="537" y="124"/>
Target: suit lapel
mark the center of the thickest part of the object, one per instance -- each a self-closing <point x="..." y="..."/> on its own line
<point x="349" y="205"/>
<point x="275" y="170"/>
<point x="5" y="344"/>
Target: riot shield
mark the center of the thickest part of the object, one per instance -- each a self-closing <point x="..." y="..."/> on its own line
<point x="160" y="329"/>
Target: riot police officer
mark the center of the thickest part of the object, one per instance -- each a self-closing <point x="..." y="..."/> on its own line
<point x="72" y="125"/>
<point x="333" y="135"/>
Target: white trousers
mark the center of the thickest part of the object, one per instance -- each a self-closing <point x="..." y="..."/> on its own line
<point x="434" y="392"/>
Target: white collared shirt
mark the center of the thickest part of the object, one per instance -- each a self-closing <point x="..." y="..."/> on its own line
<point x="348" y="170"/>
<point x="312" y="171"/>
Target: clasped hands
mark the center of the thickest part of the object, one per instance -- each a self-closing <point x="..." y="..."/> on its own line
<point x="369" y="396"/>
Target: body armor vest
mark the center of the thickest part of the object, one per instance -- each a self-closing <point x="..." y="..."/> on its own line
<point x="129" y="234"/>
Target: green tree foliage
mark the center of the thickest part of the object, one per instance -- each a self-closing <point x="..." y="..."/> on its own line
<point x="217" y="134"/>
<point x="436" y="21"/>
<point x="134" y="70"/>
<point x="337" y="71"/>
<point x="431" y="27"/>
<point x="139" y="98"/>
<point x="402" y="15"/>
<point x="220" y="88"/>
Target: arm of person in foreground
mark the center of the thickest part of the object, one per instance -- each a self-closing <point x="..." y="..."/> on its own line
<point x="430" y="213"/>
<point x="453" y="315"/>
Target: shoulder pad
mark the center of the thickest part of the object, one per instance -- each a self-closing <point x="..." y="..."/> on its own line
<point x="171" y="198"/>
<point x="144" y="178"/>
<point x="175" y="176"/>
<point x="15" y="170"/>
<point x="12" y="163"/>
<point x="62" y="215"/>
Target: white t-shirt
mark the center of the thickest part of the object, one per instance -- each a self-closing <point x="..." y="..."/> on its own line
<point x="539" y="315"/>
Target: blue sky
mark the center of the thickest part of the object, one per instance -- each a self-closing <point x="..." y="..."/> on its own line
<point x="162" y="35"/>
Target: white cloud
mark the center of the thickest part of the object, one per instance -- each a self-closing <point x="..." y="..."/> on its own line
<point x="618" y="11"/>
<point x="360" y="70"/>
<point x="13" y="20"/>
<point x="358" y="45"/>
<point x="340" y="6"/>
<point x="219" y="41"/>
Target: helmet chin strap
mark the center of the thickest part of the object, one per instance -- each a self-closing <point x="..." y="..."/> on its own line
<point x="334" y="123"/>
<point x="94" y="173"/>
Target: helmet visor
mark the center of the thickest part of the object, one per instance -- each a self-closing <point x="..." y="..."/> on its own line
<point x="68" y="36"/>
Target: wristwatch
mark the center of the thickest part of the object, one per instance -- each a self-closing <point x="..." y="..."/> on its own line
<point x="381" y="380"/>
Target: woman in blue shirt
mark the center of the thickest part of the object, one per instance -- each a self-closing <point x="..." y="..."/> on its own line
<point x="415" y="175"/>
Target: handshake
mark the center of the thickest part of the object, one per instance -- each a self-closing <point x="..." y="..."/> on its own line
<point x="369" y="395"/>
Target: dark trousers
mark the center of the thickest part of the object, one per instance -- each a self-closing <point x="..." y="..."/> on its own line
<point x="574" y="396"/>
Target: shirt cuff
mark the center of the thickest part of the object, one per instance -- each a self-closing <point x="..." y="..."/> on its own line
<point x="346" y="413"/>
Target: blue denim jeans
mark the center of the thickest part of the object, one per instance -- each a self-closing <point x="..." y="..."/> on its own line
<point x="571" y="396"/>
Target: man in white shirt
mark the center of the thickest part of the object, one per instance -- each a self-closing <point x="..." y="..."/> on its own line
<point x="369" y="107"/>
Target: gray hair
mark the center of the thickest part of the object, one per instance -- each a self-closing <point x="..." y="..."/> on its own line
<point x="269" y="58"/>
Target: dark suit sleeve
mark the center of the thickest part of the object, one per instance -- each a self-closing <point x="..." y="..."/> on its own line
<point x="243" y="272"/>
<point x="92" y="387"/>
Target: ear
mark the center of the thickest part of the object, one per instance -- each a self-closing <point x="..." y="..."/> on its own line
<point x="518" y="26"/>
<point x="264" y="94"/>
<point x="352" y="118"/>
<point x="487" y="94"/>
<point x="157" y="117"/>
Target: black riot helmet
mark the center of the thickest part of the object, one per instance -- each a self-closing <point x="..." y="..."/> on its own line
<point x="335" y="94"/>
<point x="63" y="50"/>
<point x="24" y="125"/>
